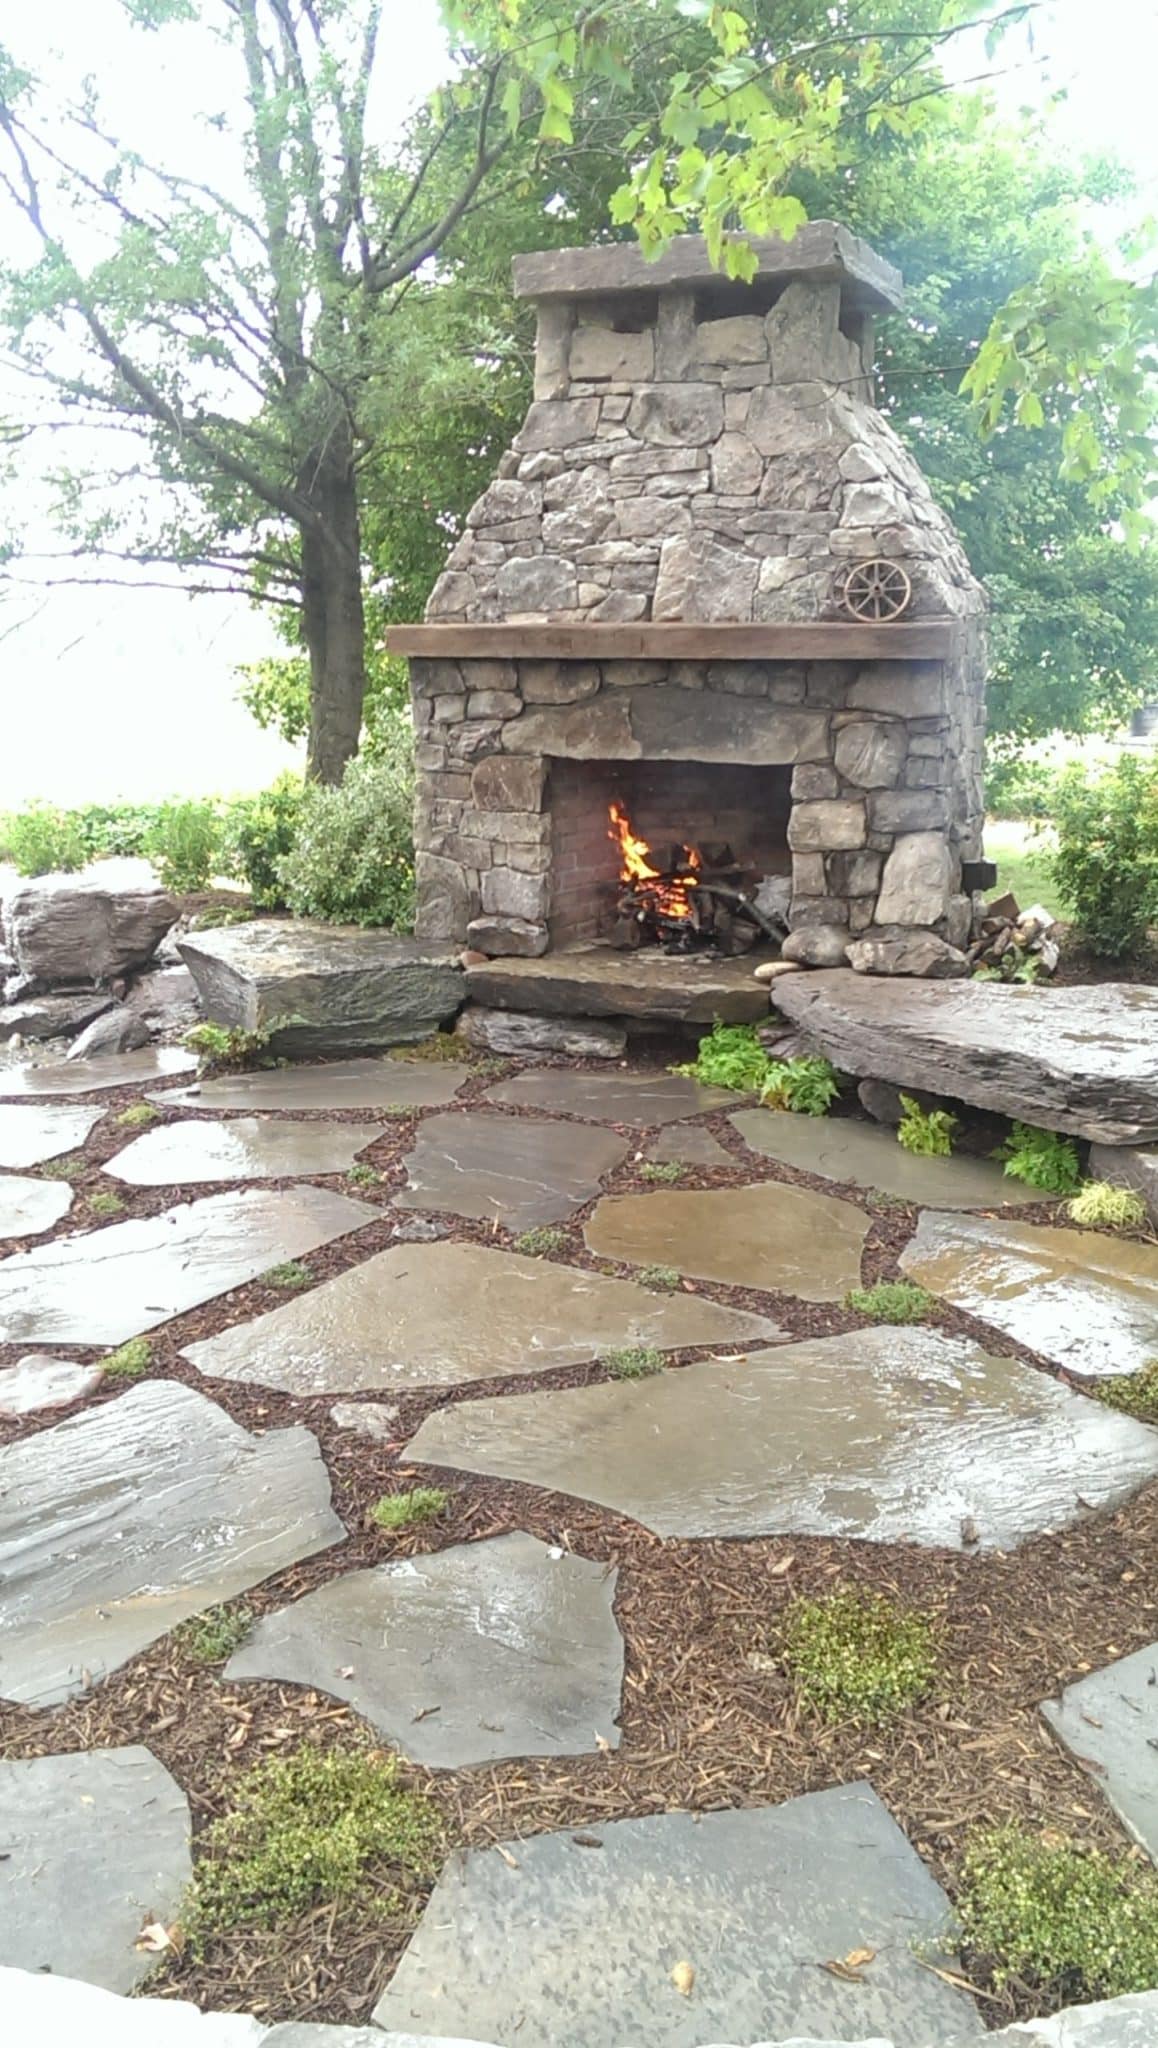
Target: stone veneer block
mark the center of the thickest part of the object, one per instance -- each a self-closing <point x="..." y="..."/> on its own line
<point x="598" y="981"/>
<point x="516" y="1171"/>
<point x="441" y="1314"/>
<point x="30" y="1133"/>
<point x="29" y="1206"/>
<point x="612" y="1098"/>
<point x="131" y="1516"/>
<point x="865" y="1156"/>
<point x="486" y="1650"/>
<point x="335" y="1084"/>
<point x="1109" y="1723"/>
<point x="1085" y="1300"/>
<point x="104" y="1286"/>
<point x="580" y="1947"/>
<point x="884" y="1435"/>
<point x="249" y="1148"/>
<point x="95" y="1844"/>
<point x="767" y="1236"/>
<point x="85" y="1077"/>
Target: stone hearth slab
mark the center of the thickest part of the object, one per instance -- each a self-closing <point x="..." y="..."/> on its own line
<point x="40" y="1381"/>
<point x="867" y="1156"/>
<point x="1084" y="1299"/>
<point x="85" y="1077"/>
<point x="106" y="1285"/>
<point x="894" y="1435"/>
<point x="493" y="1649"/>
<point x="30" y="1133"/>
<point x="118" y="1523"/>
<point x="29" y="1206"/>
<point x="96" y="1844"/>
<point x="338" y="1084"/>
<point x="546" y="1941"/>
<point x="612" y="1098"/>
<point x="768" y="1235"/>
<point x="598" y="981"/>
<point x="688" y="1145"/>
<point x="517" y="1171"/>
<point x="1109" y="1723"/>
<point x="439" y="1315"/>
<point x="249" y="1148"/>
<point x="1083" y="1060"/>
<point x="328" y="988"/>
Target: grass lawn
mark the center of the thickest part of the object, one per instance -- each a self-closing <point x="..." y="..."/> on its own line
<point x="1022" y="863"/>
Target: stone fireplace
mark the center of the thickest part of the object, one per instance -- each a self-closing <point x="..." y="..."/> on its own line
<point x="651" y="607"/>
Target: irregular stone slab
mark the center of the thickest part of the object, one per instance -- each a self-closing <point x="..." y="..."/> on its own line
<point x="249" y="1148"/>
<point x="345" y="989"/>
<point x="522" y="1031"/>
<point x="1085" y="1300"/>
<point x="338" y="1084"/>
<point x="55" y="2011"/>
<point x="1083" y="1060"/>
<point x="107" y="1285"/>
<point x="30" y="1134"/>
<point x="612" y="1098"/>
<point x="375" y="1419"/>
<point x="53" y="1016"/>
<point x="90" y="926"/>
<point x="96" y="1844"/>
<point x="39" y="1381"/>
<point x="117" y="1030"/>
<point x="893" y="1435"/>
<point x="840" y="1148"/>
<point x="598" y="981"/>
<point x="1109" y="1723"/>
<point x="439" y="1315"/>
<point x="118" y="1523"/>
<point x="85" y="1077"/>
<point x="547" y="1941"/>
<point x="517" y="1171"/>
<point x="1129" y="1166"/>
<point x="768" y="1235"/>
<point x="688" y="1145"/>
<point x="485" y="1650"/>
<point x="28" y="1207"/>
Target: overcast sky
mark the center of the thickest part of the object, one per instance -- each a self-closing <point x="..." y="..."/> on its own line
<point x="113" y="692"/>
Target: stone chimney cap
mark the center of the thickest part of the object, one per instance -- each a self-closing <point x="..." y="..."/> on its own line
<point x="821" y="250"/>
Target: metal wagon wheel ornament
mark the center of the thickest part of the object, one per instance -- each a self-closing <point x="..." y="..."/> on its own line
<point x="874" y="590"/>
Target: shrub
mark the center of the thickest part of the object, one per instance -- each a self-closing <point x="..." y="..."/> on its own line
<point x="1100" y="1202"/>
<point x="891" y="1301"/>
<point x="1134" y="1393"/>
<point x="131" y="1362"/>
<point x="1073" y="1924"/>
<point x="1017" y="788"/>
<point x="731" y="1056"/>
<point x="1041" y="1159"/>
<point x="1106" y="862"/>
<point x="353" y="860"/>
<point x="536" y="1244"/>
<point x="211" y="1637"/>
<point x="304" y="1829"/>
<point x="859" y="1657"/>
<point x="186" y="844"/>
<point x="633" y="1362"/>
<point x="808" y="1085"/>
<point x="926" y="1132"/>
<point x="44" y="841"/>
<point x="260" y="832"/>
<point x="661" y="1279"/>
<point x="410" y="1510"/>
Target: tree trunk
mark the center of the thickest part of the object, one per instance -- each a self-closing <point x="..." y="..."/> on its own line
<point x="333" y="621"/>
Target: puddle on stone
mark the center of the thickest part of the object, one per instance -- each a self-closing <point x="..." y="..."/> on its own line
<point x="768" y="1235"/>
<point x="84" y="1077"/>
<point x="30" y="1133"/>
<point x="248" y="1148"/>
<point x="40" y="1381"/>
<point x="334" y="1084"/>
<point x="517" y="1171"/>
<point x="612" y="1098"/>
<point x="865" y="1155"/>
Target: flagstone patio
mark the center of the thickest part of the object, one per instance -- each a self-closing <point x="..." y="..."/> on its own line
<point x="248" y="1148"/>
<point x="31" y="1133"/>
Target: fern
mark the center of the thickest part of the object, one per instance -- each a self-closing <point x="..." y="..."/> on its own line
<point x="1042" y="1159"/>
<point x="807" y="1085"/>
<point x="731" y="1056"/>
<point x="926" y="1132"/>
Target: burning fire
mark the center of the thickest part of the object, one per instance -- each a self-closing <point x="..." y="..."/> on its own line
<point x="667" y="895"/>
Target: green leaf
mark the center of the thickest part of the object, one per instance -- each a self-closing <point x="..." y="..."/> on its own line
<point x="1029" y="410"/>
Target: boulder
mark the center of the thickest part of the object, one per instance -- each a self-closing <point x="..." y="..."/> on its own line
<point x="337" y="988"/>
<point x="508" y="937"/>
<point x="522" y="1031"/>
<point x="917" y="953"/>
<point x="117" y="1030"/>
<point x="90" y="926"/>
<point x="167" y="1000"/>
<point x="53" y="1016"/>
<point x="1081" y="1060"/>
<point x="917" y="880"/>
<point x="818" y="945"/>
<point x="1129" y="1166"/>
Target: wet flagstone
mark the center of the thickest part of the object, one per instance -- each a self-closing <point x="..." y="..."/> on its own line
<point x="612" y="1098"/>
<point x="442" y="1314"/>
<point x="248" y="1148"/>
<point x="94" y="1845"/>
<point x="84" y="1077"/>
<point x="767" y="1235"/>
<point x="1085" y="1300"/>
<point x="867" y="1156"/>
<point x="30" y="1133"/>
<point x="29" y="1206"/>
<point x="1109" y="1723"/>
<point x="517" y="1171"/>
<point x="103" y="1286"/>
<point x="334" y="1084"/>
<point x="546" y="1941"/>
<point x="493" y="1649"/>
<point x="894" y="1435"/>
<point x="688" y="1145"/>
<point x="118" y="1523"/>
<point x="40" y="1381"/>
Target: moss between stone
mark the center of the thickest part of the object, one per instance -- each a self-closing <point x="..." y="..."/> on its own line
<point x="1135" y="1393"/>
<point x="858" y="1656"/>
<point x="633" y="1362"/>
<point x="1075" y="1924"/>
<point x="891" y="1301"/>
<point x="130" y="1362"/>
<point x="409" y="1510"/>
<point x="211" y="1637"/>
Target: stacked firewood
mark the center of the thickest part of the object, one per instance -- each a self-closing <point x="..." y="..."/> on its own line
<point x="698" y="900"/>
<point x="1011" y="944"/>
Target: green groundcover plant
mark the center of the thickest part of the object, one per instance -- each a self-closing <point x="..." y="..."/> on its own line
<point x="857" y="1656"/>
<point x="1073" y="1924"/>
<point x="1042" y="1159"/>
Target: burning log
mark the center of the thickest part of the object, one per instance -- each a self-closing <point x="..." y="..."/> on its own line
<point x="701" y="898"/>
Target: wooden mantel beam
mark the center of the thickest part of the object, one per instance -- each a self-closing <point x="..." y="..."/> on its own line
<point x="812" y="640"/>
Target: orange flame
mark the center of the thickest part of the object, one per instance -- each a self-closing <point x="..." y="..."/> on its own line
<point x="671" y="894"/>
